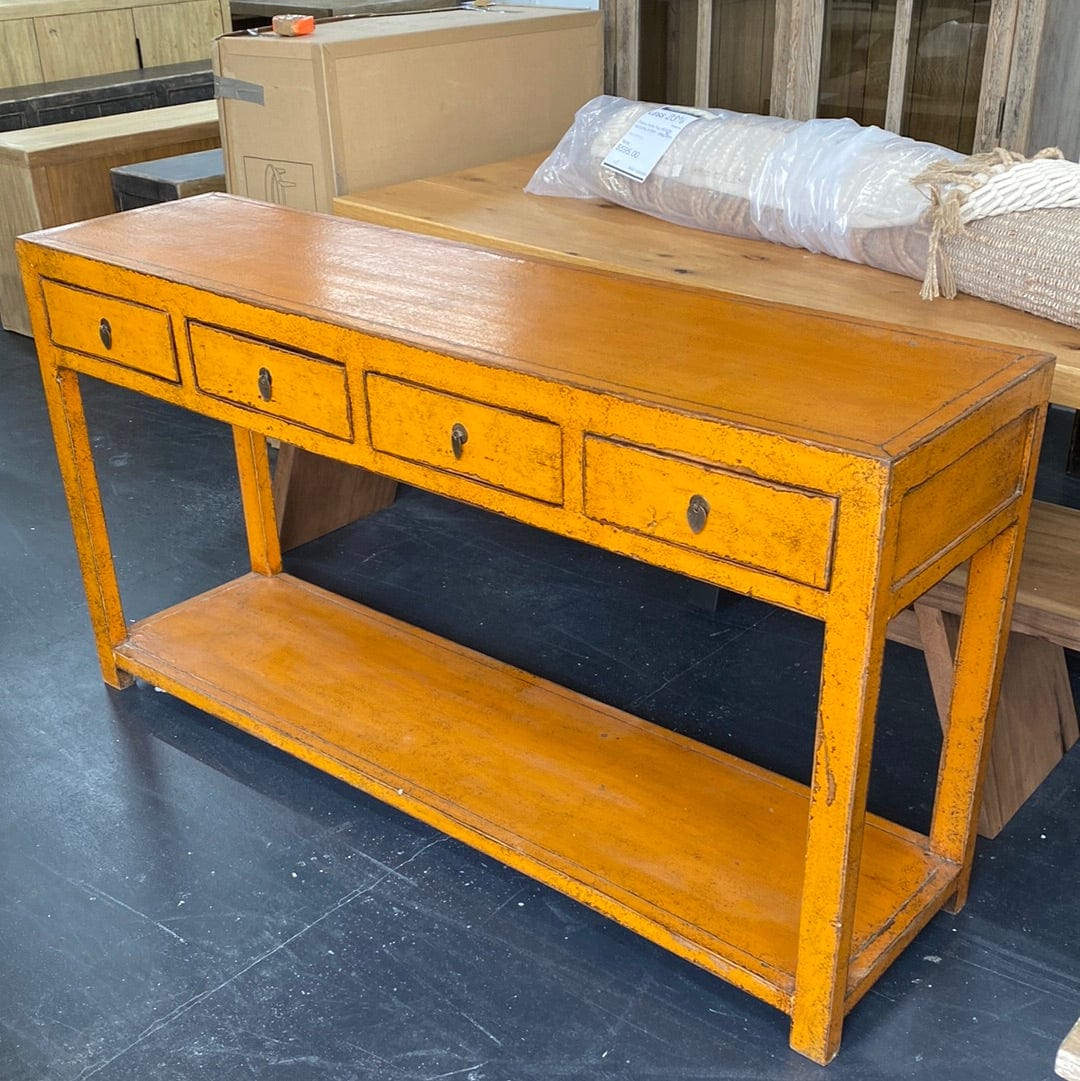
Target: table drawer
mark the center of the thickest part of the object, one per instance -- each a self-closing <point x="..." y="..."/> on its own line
<point x="756" y="523"/>
<point x="516" y="452"/>
<point x="111" y="329"/>
<point x="296" y="387"/>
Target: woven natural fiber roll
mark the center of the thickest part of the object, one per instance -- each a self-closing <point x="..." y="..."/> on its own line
<point x="864" y="207"/>
<point x="707" y="187"/>
<point x="1028" y="260"/>
<point x="901" y="250"/>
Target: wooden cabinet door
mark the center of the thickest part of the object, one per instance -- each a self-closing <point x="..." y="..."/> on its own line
<point x="19" y="63"/>
<point x="177" y="33"/>
<point x="87" y="43"/>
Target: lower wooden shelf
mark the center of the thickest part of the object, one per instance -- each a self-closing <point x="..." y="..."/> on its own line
<point x="692" y="848"/>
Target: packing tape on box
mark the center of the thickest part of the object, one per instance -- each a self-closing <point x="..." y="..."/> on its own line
<point x="239" y="90"/>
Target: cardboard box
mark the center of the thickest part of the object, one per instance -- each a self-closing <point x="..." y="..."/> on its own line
<point x="364" y="102"/>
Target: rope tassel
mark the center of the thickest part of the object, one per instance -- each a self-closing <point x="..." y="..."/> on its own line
<point x="982" y="186"/>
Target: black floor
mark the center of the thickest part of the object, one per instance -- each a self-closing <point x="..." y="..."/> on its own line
<point x="180" y="901"/>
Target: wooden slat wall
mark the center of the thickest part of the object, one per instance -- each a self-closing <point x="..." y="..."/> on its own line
<point x="797" y="58"/>
<point x="703" y="54"/>
<point x="627" y="47"/>
<point x="995" y="76"/>
<point x="898" y="67"/>
<point x="743" y="32"/>
<point x="1055" y="119"/>
<point x="19" y="61"/>
<point x="717" y="53"/>
<point x="1016" y="120"/>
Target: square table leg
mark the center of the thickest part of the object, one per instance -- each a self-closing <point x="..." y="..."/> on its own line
<point x="75" y="454"/>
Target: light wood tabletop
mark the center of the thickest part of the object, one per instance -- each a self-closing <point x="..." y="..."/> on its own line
<point x="486" y="205"/>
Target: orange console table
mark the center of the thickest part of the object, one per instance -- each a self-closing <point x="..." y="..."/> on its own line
<point x="833" y="467"/>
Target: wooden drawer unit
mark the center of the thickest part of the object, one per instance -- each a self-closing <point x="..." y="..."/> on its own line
<point x="306" y="390"/>
<point x="741" y="519"/>
<point x="506" y="449"/>
<point x="119" y="331"/>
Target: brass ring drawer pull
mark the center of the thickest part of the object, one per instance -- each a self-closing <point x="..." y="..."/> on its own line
<point x="266" y="384"/>
<point x="459" y="436"/>
<point x="105" y="333"/>
<point x="697" y="513"/>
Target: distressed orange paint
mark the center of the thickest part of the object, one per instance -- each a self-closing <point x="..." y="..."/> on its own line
<point x="770" y="450"/>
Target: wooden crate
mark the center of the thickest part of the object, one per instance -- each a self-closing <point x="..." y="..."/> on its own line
<point x="59" y="173"/>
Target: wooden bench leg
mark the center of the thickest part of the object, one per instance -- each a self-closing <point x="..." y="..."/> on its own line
<point x="1067" y="1064"/>
<point x="1036" y="718"/>
<point x="314" y="495"/>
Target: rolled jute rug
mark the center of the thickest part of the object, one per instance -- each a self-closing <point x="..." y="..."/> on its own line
<point x="997" y="225"/>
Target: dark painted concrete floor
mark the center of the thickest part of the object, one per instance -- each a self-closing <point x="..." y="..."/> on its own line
<point x="180" y="901"/>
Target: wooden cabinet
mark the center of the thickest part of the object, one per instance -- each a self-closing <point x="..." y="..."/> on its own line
<point x="47" y="40"/>
<point x="175" y="33"/>
<point x="86" y="43"/>
<point x="969" y="74"/>
<point x="19" y="61"/>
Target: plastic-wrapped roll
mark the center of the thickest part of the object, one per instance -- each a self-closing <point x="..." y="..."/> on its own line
<point x="818" y="184"/>
<point x="996" y="226"/>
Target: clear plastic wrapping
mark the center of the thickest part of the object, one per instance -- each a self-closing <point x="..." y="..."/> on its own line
<point x="994" y="225"/>
<point x="822" y="185"/>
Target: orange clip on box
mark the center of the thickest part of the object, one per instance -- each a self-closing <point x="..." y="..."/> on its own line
<point x="293" y="26"/>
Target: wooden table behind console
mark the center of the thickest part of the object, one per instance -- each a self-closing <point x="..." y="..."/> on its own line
<point x="833" y="467"/>
<point x="486" y="205"/>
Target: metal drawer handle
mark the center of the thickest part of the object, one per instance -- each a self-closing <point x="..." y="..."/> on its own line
<point x="697" y="513"/>
<point x="458" y="438"/>
<point x="266" y="384"/>
<point x="105" y="333"/>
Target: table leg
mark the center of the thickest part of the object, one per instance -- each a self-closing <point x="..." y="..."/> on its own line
<point x="984" y="633"/>
<point x="253" y="467"/>
<point x="76" y="458"/>
<point x="850" y="681"/>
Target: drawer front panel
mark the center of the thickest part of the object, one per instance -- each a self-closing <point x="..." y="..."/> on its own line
<point x="742" y="520"/>
<point x="119" y="331"/>
<point x="512" y="451"/>
<point x="271" y="379"/>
